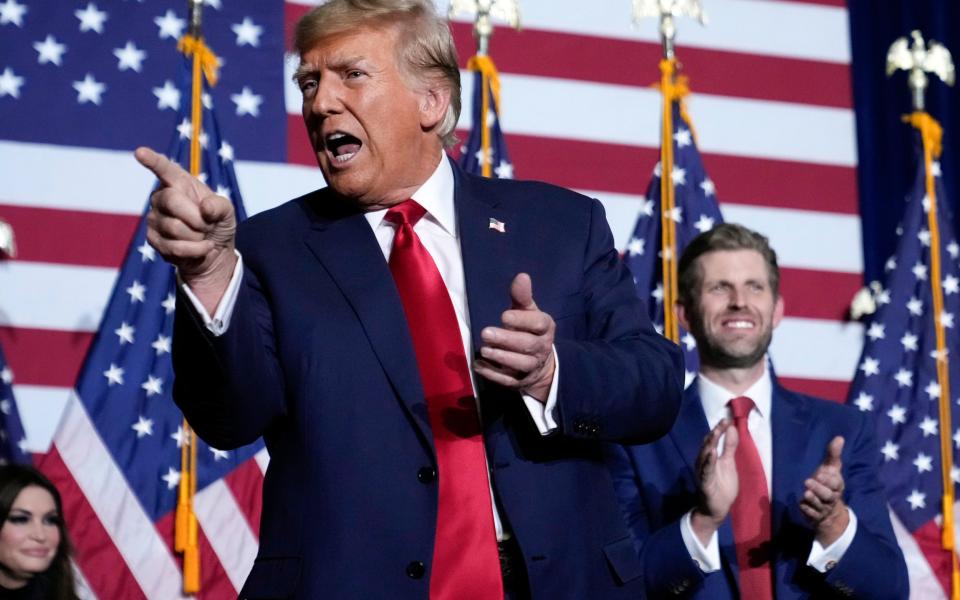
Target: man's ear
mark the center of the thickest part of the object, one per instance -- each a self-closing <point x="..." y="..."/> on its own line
<point x="778" y="309"/>
<point x="681" y="313"/>
<point x="433" y="106"/>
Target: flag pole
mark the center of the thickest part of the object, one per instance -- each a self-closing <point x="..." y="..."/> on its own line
<point x="671" y="90"/>
<point x="918" y="60"/>
<point x="485" y="11"/>
<point x="186" y="528"/>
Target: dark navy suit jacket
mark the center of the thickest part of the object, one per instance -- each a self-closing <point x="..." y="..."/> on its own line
<point x="656" y="487"/>
<point x="318" y="359"/>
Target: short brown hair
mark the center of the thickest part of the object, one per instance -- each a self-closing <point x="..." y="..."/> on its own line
<point x="426" y="47"/>
<point x="726" y="236"/>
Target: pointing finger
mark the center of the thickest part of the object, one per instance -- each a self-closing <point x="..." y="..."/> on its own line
<point x="168" y="172"/>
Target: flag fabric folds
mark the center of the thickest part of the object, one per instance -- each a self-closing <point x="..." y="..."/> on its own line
<point x="117" y="453"/>
<point x="12" y="438"/>
<point x="695" y="211"/>
<point x="897" y="383"/>
<point x="485" y="151"/>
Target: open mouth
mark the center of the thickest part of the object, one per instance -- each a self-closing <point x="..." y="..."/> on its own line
<point x="739" y="324"/>
<point x="342" y="146"/>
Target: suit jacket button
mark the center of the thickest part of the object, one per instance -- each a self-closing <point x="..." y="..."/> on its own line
<point x="415" y="570"/>
<point x="426" y="474"/>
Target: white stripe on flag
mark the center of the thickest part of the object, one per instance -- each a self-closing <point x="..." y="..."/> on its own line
<point x="923" y="583"/>
<point x="264" y="184"/>
<point x="830" y="349"/>
<point x="40" y="406"/>
<point x="119" y="511"/>
<point x="803" y="239"/>
<point x="67" y="298"/>
<point x="227" y="530"/>
<point x="263" y="459"/>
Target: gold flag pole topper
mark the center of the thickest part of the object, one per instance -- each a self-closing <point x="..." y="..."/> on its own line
<point x="673" y="88"/>
<point x="186" y="527"/>
<point x="486" y="11"/>
<point x="8" y="245"/>
<point x="919" y="59"/>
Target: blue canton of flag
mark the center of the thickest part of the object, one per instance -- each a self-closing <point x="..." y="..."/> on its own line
<point x="471" y="157"/>
<point x="896" y="379"/>
<point x="695" y="211"/>
<point x="12" y="438"/>
<point x="97" y="73"/>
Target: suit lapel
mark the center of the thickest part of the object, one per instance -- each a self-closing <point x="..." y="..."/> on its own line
<point x="489" y="263"/>
<point x="690" y="428"/>
<point x="348" y="250"/>
<point x="790" y="421"/>
<point x="789" y="428"/>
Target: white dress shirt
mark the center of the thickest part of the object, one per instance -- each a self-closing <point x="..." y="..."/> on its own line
<point x="438" y="233"/>
<point x="714" y="399"/>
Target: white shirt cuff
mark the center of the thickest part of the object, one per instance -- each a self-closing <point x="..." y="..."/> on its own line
<point x="707" y="558"/>
<point x="824" y="559"/>
<point x="543" y="413"/>
<point x="218" y="323"/>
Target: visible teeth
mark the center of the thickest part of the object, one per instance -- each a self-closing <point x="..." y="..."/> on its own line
<point x="344" y="157"/>
<point x="740" y="324"/>
<point x="336" y="136"/>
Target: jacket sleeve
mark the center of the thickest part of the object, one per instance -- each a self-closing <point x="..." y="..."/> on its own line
<point x="668" y="568"/>
<point x="623" y="381"/>
<point x="229" y="387"/>
<point x="873" y="566"/>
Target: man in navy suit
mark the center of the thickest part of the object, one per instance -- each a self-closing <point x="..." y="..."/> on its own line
<point x="757" y="492"/>
<point x="314" y="330"/>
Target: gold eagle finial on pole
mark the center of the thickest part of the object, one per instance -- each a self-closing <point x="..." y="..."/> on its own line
<point x="486" y="11"/>
<point x="919" y="59"/>
<point x="667" y="11"/>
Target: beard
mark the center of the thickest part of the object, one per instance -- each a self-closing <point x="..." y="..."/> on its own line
<point x="721" y="354"/>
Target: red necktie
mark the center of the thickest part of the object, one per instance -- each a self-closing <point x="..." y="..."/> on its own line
<point x="751" y="511"/>
<point x="466" y="562"/>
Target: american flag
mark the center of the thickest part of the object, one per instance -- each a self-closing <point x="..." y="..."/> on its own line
<point x="13" y="442"/>
<point x="471" y="153"/>
<point x="116" y="453"/>
<point x="695" y="211"/>
<point x="897" y="384"/>
<point x="773" y="108"/>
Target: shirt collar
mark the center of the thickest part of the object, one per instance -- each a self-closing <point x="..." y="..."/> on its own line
<point x="714" y="397"/>
<point x="435" y="195"/>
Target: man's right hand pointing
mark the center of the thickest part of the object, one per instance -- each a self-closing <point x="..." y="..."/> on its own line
<point x="191" y="227"/>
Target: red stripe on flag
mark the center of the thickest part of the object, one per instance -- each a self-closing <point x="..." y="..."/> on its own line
<point x="615" y="61"/>
<point x="44" y="356"/>
<point x="101" y="563"/>
<point x="246" y="484"/>
<point x="214" y="582"/>
<point x="821" y="388"/>
<point x="625" y="169"/>
<point x="636" y="63"/>
<point x="70" y="236"/>
<point x="818" y="294"/>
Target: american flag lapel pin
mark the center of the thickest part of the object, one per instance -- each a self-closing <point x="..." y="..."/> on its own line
<point x="498" y="225"/>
